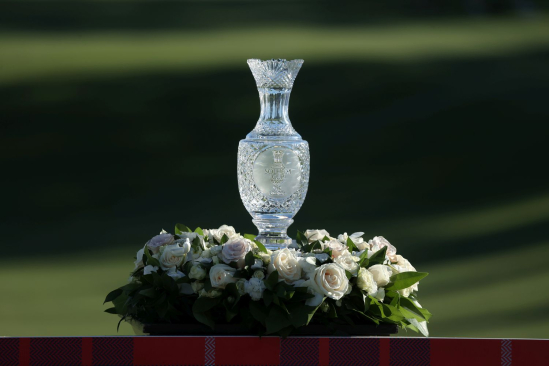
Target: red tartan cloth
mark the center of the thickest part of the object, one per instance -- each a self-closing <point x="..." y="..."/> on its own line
<point x="270" y="351"/>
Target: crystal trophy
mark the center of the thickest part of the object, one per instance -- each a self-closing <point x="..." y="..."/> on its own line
<point x="273" y="160"/>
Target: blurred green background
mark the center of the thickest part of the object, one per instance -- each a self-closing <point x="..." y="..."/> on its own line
<point x="427" y="123"/>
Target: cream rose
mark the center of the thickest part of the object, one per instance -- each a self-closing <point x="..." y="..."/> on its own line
<point x="197" y="286"/>
<point x="336" y="247"/>
<point x="224" y="230"/>
<point x="286" y="263"/>
<point x="172" y="256"/>
<point x="221" y="275"/>
<point x="348" y="263"/>
<point x="160" y="240"/>
<point x="235" y="250"/>
<point x="365" y="281"/>
<point x="382" y="274"/>
<point x="197" y="273"/>
<point x="356" y="238"/>
<point x="307" y="264"/>
<point x="314" y="235"/>
<point x="379" y="242"/>
<point x="330" y="280"/>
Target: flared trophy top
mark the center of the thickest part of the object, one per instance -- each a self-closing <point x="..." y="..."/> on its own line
<point x="275" y="74"/>
<point x="274" y="80"/>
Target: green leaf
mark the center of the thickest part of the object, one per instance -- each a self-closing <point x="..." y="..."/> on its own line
<point x="363" y="260"/>
<point x="392" y="313"/>
<point x="180" y="229"/>
<point x="272" y="280"/>
<point x="348" y="274"/>
<point x="408" y="314"/>
<point x="426" y="314"/>
<point x="351" y="245"/>
<point x="258" y="311"/>
<point x="250" y="259"/>
<point x="301" y="239"/>
<point x="207" y="284"/>
<point x="203" y="304"/>
<point x="378" y="257"/>
<point x="196" y="244"/>
<point x="205" y="318"/>
<point x="276" y="320"/>
<point x="260" y="246"/>
<point x="113" y="295"/>
<point x="224" y="239"/>
<point x="404" y="280"/>
<point x="303" y="315"/>
<point x="199" y="231"/>
<point x="111" y="311"/>
<point x="150" y="260"/>
<point x="408" y="304"/>
<point x="150" y="292"/>
<point x="268" y="297"/>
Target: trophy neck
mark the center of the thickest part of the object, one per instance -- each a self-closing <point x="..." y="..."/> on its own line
<point x="274" y="122"/>
<point x="274" y="80"/>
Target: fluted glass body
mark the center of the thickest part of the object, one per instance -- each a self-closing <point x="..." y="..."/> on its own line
<point x="273" y="160"/>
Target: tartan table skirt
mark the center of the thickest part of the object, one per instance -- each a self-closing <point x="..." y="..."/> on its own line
<point x="271" y="351"/>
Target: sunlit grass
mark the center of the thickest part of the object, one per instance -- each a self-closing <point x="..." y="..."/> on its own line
<point x="25" y="56"/>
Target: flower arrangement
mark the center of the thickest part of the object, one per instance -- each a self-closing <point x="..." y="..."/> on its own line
<point x="219" y="276"/>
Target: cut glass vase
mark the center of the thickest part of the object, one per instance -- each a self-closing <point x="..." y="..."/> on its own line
<point x="273" y="160"/>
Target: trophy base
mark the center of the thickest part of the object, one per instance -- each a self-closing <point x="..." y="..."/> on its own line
<point x="272" y="233"/>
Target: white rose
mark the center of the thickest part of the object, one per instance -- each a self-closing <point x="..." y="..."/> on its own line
<point x="224" y="230"/>
<point x="197" y="272"/>
<point x="266" y="257"/>
<point x="221" y="275"/>
<point x="307" y="264"/>
<point x="348" y="263"/>
<point x="191" y="237"/>
<point x="322" y="257"/>
<point x="311" y="289"/>
<point x="172" y="256"/>
<point x="149" y="269"/>
<point x="216" y="249"/>
<point x="197" y="286"/>
<point x="406" y="291"/>
<point x="380" y="294"/>
<point x="336" y="247"/>
<point x="259" y="274"/>
<point x="403" y="265"/>
<point x="258" y="264"/>
<point x="381" y="273"/>
<point x="254" y="287"/>
<point x="206" y="253"/>
<point x="314" y="235"/>
<point x="176" y="274"/>
<point x="365" y="281"/>
<point x="330" y="280"/>
<point x="215" y="260"/>
<point x="378" y="242"/>
<point x="235" y="250"/>
<point x="285" y="262"/>
<point x="139" y="259"/>
<point x="160" y="240"/>
<point x="356" y="238"/>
